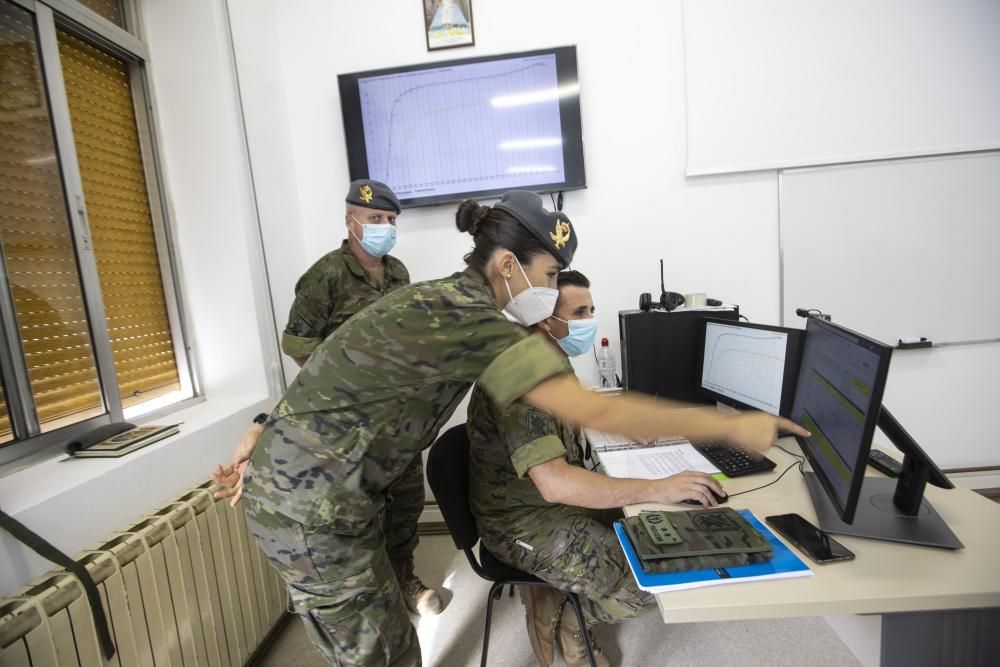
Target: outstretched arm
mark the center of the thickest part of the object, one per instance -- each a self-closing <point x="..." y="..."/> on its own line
<point x="644" y="418"/>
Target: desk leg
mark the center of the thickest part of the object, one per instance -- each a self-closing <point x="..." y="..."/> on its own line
<point x="949" y="637"/>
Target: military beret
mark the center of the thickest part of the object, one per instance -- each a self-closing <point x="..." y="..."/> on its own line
<point x="372" y="194"/>
<point x="554" y="230"/>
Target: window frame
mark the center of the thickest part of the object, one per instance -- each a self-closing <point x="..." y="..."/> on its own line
<point x="30" y="444"/>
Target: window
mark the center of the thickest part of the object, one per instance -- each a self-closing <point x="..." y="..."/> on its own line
<point x="91" y="330"/>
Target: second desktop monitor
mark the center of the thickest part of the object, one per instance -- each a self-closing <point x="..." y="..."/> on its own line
<point x="750" y="365"/>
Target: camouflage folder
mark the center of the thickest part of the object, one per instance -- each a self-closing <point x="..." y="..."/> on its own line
<point x="710" y="538"/>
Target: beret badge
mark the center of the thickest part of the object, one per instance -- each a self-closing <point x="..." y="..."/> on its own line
<point x="365" y="192"/>
<point x="561" y="234"/>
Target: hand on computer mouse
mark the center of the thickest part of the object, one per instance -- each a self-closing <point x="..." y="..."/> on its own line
<point x="683" y="485"/>
<point x="719" y="499"/>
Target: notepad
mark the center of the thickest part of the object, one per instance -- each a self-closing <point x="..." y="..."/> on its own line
<point x="126" y="442"/>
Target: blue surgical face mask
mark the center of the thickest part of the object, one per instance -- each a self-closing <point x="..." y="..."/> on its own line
<point x="376" y="240"/>
<point x="580" y="338"/>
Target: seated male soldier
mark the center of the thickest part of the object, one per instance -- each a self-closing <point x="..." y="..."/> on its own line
<point x="539" y="510"/>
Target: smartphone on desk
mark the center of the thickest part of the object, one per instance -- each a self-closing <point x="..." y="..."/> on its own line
<point x="814" y="542"/>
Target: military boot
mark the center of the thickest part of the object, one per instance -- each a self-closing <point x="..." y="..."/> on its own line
<point x="420" y="599"/>
<point x="541" y="607"/>
<point x="571" y="642"/>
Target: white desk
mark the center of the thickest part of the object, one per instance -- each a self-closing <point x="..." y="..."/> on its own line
<point x="884" y="578"/>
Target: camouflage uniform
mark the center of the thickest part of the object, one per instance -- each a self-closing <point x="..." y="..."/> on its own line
<point x="572" y="548"/>
<point x="331" y="291"/>
<point x="370" y="398"/>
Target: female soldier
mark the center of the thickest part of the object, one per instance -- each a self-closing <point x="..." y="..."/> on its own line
<point x="378" y="390"/>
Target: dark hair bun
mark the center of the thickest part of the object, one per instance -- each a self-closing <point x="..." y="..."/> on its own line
<point x="469" y="215"/>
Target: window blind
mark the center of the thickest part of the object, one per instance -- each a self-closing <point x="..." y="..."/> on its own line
<point x="109" y="9"/>
<point x="114" y="189"/>
<point x="37" y="245"/>
<point x="5" y="432"/>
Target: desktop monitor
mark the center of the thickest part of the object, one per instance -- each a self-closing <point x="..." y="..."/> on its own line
<point x="838" y="398"/>
<point x="750" y="366"/>
<point x="442" y="131"/>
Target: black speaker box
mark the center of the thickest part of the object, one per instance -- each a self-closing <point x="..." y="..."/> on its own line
<point x="660" y="351"/>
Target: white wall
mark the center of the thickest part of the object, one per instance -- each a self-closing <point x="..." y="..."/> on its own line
<point x="717" y="235"/>
<point x="77" y="503"/>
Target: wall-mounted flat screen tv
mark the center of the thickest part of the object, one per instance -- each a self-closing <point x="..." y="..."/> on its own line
<point x="477" y="127"/>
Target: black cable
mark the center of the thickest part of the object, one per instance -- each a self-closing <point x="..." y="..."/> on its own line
<point x="552" y="198"/>
<point x="793" y="454"/>
<point x="801" y="461"/>
<point x="744" y="318"/>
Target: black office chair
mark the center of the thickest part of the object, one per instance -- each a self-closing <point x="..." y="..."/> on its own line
<point x="448" y="475"/>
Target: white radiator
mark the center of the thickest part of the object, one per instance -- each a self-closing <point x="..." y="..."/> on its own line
<point x="183" y="587"/>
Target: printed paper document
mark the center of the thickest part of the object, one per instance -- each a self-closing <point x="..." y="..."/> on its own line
<point x="654" y="462"/>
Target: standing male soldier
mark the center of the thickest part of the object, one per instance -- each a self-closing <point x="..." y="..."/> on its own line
<point x="539" y="510"/>
<point x="336" y="287"/>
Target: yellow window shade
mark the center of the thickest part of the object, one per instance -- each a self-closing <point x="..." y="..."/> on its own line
<point x="37" y="245"/>
<point x="5" y="432"/>
<point x="109" y="9"/>
<point x="114" y="190"/>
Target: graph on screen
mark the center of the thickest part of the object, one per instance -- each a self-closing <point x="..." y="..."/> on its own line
<point x="460" y="128"/>
<point x="745" y="364"/>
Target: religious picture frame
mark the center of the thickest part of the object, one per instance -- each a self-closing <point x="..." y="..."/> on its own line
<point x="448" y="24"/>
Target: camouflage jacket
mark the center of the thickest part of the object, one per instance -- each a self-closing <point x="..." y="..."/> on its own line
<point x="378" y="390"/>
<point x="330" y="292"/>
<point x="505" y="443"/>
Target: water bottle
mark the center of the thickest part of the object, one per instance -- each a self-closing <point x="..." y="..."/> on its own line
<point x="606" y="365"/>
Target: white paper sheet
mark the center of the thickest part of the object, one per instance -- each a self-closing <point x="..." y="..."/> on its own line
<point x="654" y="462"/>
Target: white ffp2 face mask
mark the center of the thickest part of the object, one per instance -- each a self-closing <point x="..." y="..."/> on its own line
<point x="533" y="304"/>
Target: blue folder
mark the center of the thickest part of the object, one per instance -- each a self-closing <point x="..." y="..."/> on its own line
<point x="784" y="564"/>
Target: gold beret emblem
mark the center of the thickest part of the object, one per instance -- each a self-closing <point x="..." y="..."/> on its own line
<point x="365" y="192"/>
<point x="561" y="235"/>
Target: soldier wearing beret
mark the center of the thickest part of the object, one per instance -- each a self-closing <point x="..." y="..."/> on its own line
<point x="539" y="510"/>
<point x="344" y="281"/>
<point x="337" y="286"/>
<point x="374" y="395"/>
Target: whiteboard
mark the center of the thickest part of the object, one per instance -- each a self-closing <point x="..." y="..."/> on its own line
<point x="895" y="249"/>
<point x="785" y="83"/>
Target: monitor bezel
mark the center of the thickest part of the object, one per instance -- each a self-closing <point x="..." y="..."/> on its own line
<point x="575" y="177"/>
<point x="789" y="378"/>
<point x="846" y="509"/>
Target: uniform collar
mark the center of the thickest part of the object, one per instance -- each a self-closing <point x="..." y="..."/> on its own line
<point x="392" y="265"/>
<point x="478" y="282"/>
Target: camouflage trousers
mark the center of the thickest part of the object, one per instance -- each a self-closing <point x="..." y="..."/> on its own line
<point x="404" y="501"/>
<point x="342" y="586"/>
<point x="575" y="550"/>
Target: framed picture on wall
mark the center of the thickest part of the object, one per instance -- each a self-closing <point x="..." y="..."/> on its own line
<point x="448" y="24"/>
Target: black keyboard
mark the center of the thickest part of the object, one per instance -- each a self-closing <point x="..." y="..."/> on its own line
<point x="734" y="462"/>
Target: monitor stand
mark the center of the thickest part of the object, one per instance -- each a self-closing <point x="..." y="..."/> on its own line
<point x="877" y="517"/>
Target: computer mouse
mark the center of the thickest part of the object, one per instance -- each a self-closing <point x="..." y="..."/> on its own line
<point x="718" y="499"/>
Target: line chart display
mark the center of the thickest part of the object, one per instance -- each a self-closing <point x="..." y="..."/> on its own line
<point x="461" y="128"/>
<point x="745" y="364"/>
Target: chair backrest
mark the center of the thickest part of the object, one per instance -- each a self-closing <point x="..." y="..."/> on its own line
<point x="448" y="476"/>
